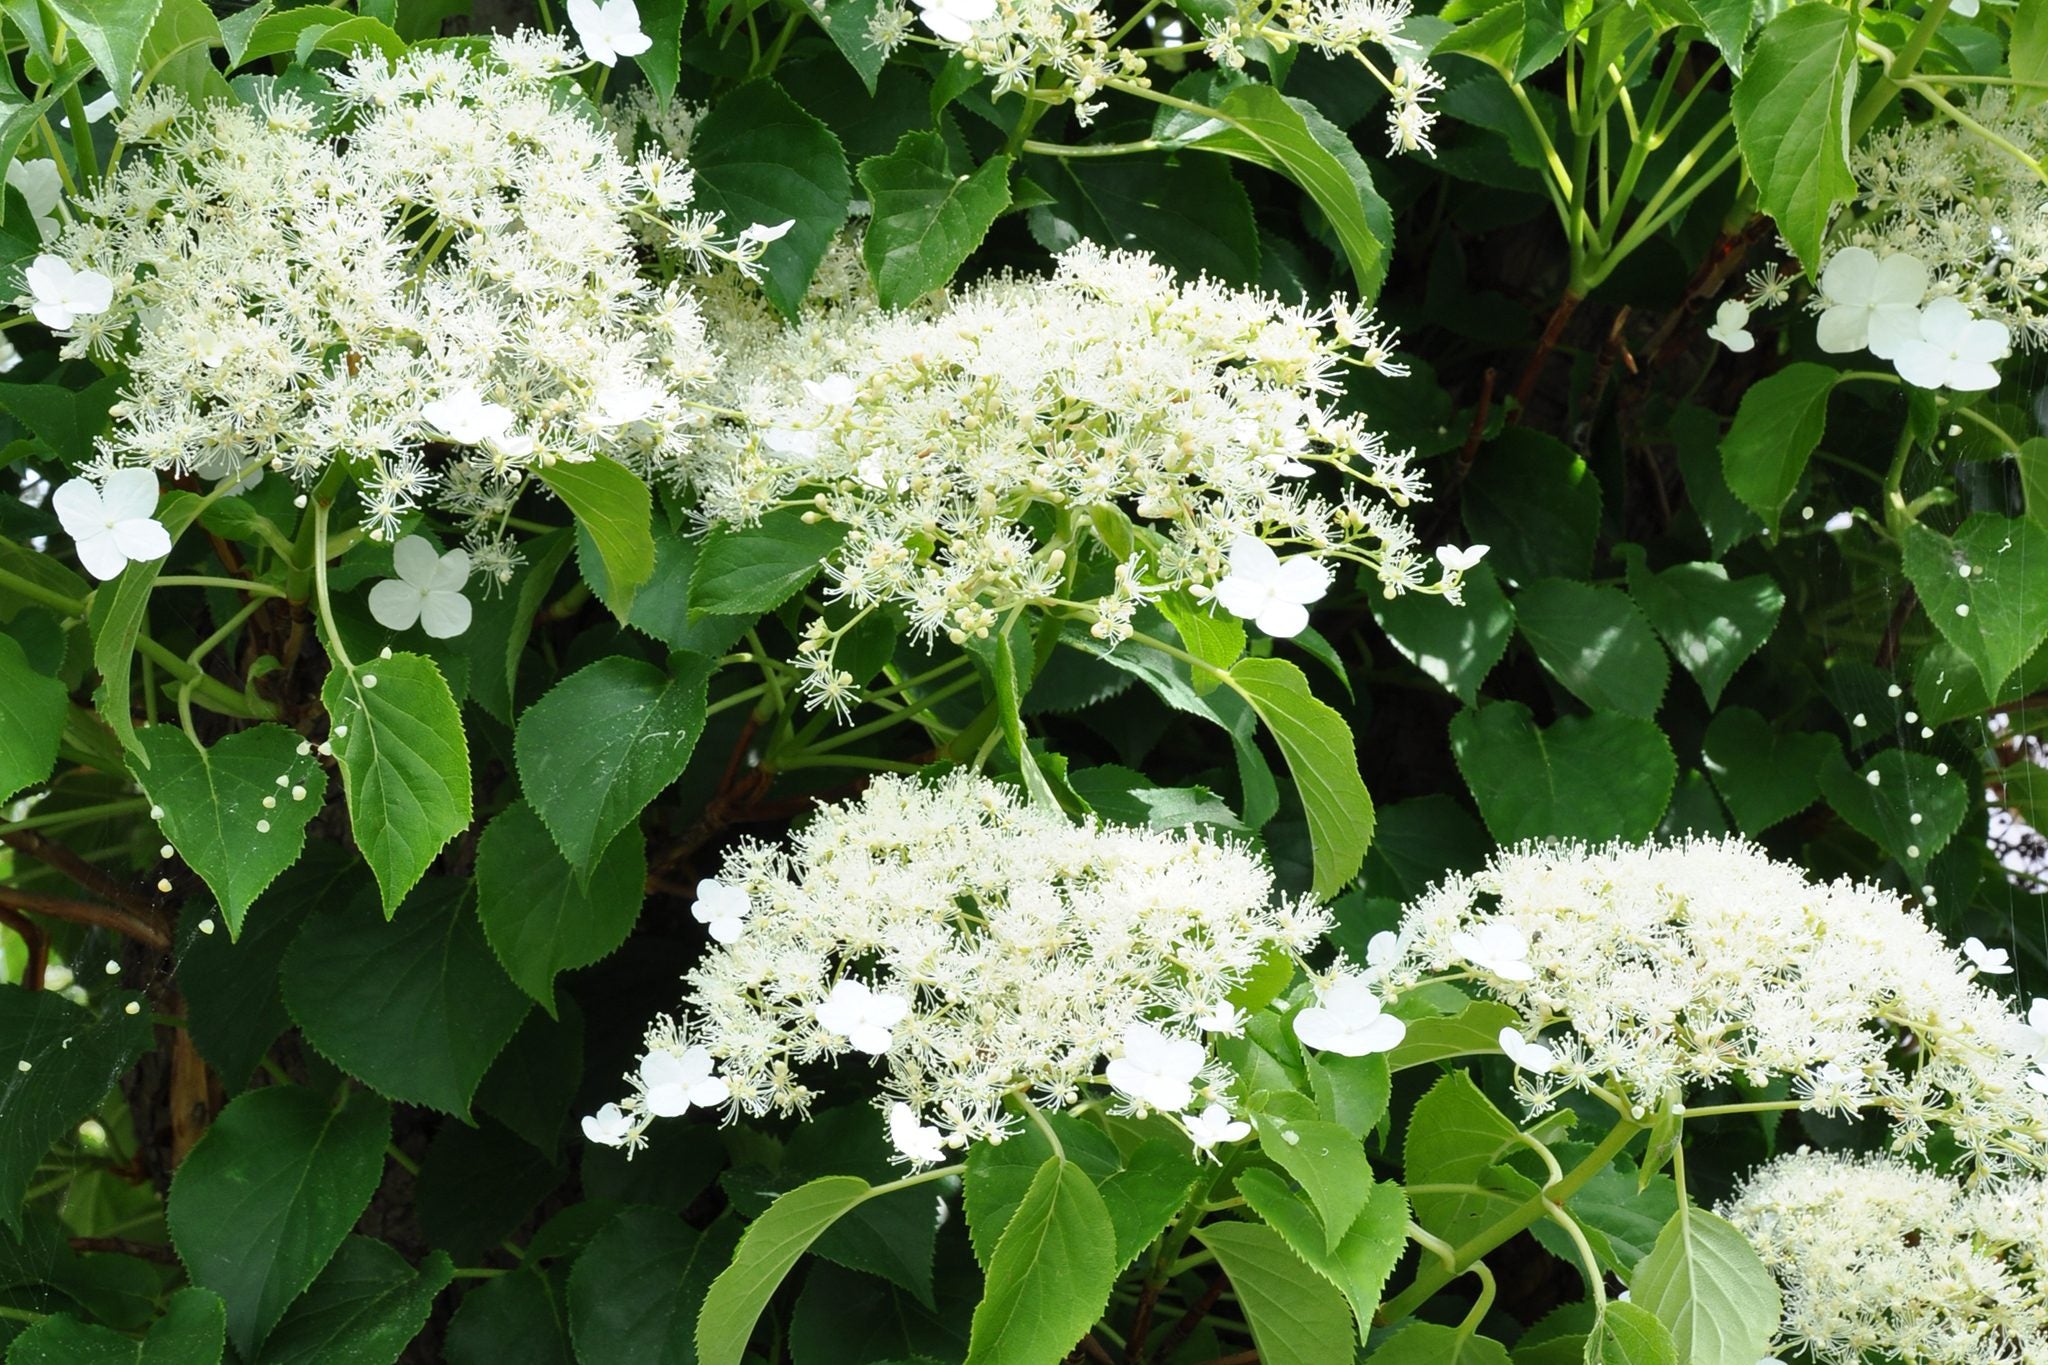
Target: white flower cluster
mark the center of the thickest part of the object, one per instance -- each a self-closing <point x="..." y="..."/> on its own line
<point x="981" y="950"/>
<point x="1080" y="43"/>
<point x="1078" y="444"/>
<point x="1881" y="1260"/>
<point x="1687" y="965"/>
<point x="1964" y="206"/>
<point x="439" y="283"/>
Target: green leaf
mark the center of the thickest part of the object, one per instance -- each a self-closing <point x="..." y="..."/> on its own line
<point x="1147" y="1193"/>
<point x="267" y="1195"/>
<point x="192" y="1331"/>
<point x="614" y="506"/>
<point x="927" y="221"/>
<point x="363" y="1310"/>
<point x="1536" y="504"/>
<point x="1708" y="1286"/>
<point x="476" y="1185"/>
<point x="514" y="1319"/>
<point x="1984" y="589"/>
<point x="1472" y="1032"/>
<point x="603" y="743"/>
<point x="637" y="1287"/>
<point x="540" y="919"/>
<point x="760" y="158"/>
<point x="748" y="570"/>
<point x="2032" y="456"/>
<point x="2028" y="57"/>
<point x="1593" y="777"/>
<point x="1632" y="1335"/>
<point x="1710" y="622"/>
<point x="229" y="810"/>
<point x="771" y="1246"/>
<point x="115" y="620"/>
<point x="1293" y="137"/>
<point x="404" y="765"/>
<point x="1780" y="422"/>
<point x="1297" y="1317"/>
<point x="846" y="24"/>
<point x="1189" y="212"/>
<point x="661" y="609"/>
<point x="1455" y="645"/>
<point x="662" y="62"/>
<point x="1430" y="1343"/>
<point x="1792" y="122"/>
<point x="1351" y="1092"/>
<point x="1595" y="642"/>
<point x="30" y="724"/>
<point x="1454" y="1136"/>
<point x="113" y="31"/>
<point x="999" y="1174"/>
<point x="1362" y="1259"/>
<point x="1328" y="1163"/>
<point x="1764" y="775"/>
<point x="67" y="420"/>
<point x="1051" y="1273"/>
<point x="417" y="1008"/>
<point x="1907" y="785"/>
<point x="275" y="34"/>
<point x="72" y="1058"/>
<point x="846" y="1318"/>
<point x="1323" y="760"/>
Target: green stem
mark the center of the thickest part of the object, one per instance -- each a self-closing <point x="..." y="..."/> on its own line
<point x="21" y="1314"/>
<point x="1086" y="149"/>
<point x="76" y="815"/>
<point x="1431" y="1278"/>
<point x="231" y="584"/>
<point x="320" y="587"/>
<point x="36" y="592"/>
<point x="208" y="690"/>
<point x="874" y="727"/>
<point x="400" y="1159"/>
<point x="1886" y="87"/>
<point x="2005" y="437"/>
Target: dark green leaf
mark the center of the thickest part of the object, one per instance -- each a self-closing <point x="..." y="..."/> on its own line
<point x="30" y="724"/>
<point x="363" y="1310"/>
<point x="1711" y="623"/>
<point x="1536" y="504"/>
<point x="1708" y="1286"/>
<point x="1984" y="589"/>
<point x="1911" y="809"/>
<point x="1188" y="212"/>
<point x="748" y="570"/>
<point x="614" y="507"/>
<point x="771" y="1246"/>
<point x="1792" y="121"/>
<point x="1051" y="1273"/>
<point x="926" y="221"/>
<point x="760" y="158"/>
<point x="1774" y="434"/>
<point x="1430" y="1343"/>
<point x="477" y="1185"/>
<point x="1297" y="1317"/>
<point x="1322" y="759"/>
<point x="540" y="919"/>
<point x="1764" y="775"/>
<point x="1585" y="777"/>
<point x="56" y="1062"/>
<point x="1595" y="642"/>
<point x="636" y="1289"/>
<point x="515" y="1319"/>
<point x="1456" y="645"/>
<point x="192" y="1331"/>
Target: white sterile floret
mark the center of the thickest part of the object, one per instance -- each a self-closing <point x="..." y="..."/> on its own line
<point x="981" y="951"/>
<point x="59" y="295"/>
<point x="43" y="189"/>
<point x="1459" y="559"/>
<point x="1878" y="1259"/>
<point x="1953" y="349"/>
<point x="1526" y="1054"/>
<point x="1156" y="1069"/>
<point x="112" y="522"/>
<point x="954" y="20"/>
<point x="608" y="29"/>
<point x="862" y="1016"/>
<point x="1272" y="593"/>
<point x="1871" y="302"/>
<point x="432" y="274"/>
<point x="721" y="909"/>
<point x="608" y="1127"/>
<point x="1349" y="1019"/>
<point x="1080" y="445"/>
<point x="1654" y="971"/>
<point x="918" y="1143"/>
<point x="427" y="591"/>
<point x="1990" y="961"/>
<point x="673" y="1081"/>
<point x="1730" y="326"/>
<point x="1213" y="1126"/>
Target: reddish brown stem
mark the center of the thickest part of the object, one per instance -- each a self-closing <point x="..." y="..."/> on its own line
<point x="38" y="944"/>
<point x="1552" y="331"/>
<point x="1191" y="1319"/>
<point x="1477" y="431"/>
<point x="124" y="1246"/>
<point x="84" y="873"/>
<point x="86" y="912"/>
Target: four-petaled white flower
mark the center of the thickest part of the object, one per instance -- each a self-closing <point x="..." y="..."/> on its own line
<point x="59" y="295"/>
<point x="1526" y="1053"/>
<point x="1988" y="960"/>
<point x="1456" y="560"/>
<point x="1496" y="948"/>
<point x="1871" y="302"/>
<point x="1730" y="321"/>
<point x="609" y="1126"/>
<point x="427" y="591"/>
<point x="42" y="188"/>
<point x="722" y="909"/>
<point x="608" y="29"/>
<point x="764" y="233"/>
<point x="673" y="1082"/>
<point x="619" y="405"/>
<point x="1272" y="593"/>
<point x="2031" y="1037"/>
<point x="1383" y="950"/>
<point x="954" y="20"/>
<point x="918" y="1143"/>
<point x="1349" y="1019"/>
<point x="111" y="522"/>
<point x="467" y="418"/>
<point x="1953" y="350"/>
<point x="1214" y="1125"/>
<point x="1226" y="1019"/>
<point x="861" y="1016"/>
<point x="1156" y="1069"/>
<point x="834" y="391"/>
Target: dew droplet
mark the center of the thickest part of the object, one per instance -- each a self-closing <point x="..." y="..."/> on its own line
<point x="167" y="852"/>
<point x="1859" y="720"/>
<point x="1941" y="770"/>
<point x="206" y="926"/>
<point x="1927" y="732"/>
<point x="263" y="827"/>
<point x="305" y="747"/>
<point x="1912" y="718"/>
<point x="1962" y="608"/>
<point x="163" y="883"/>
<point x="1916" y="817"/>
<point x="156" y="812"/>
<point x="1912" y="850"/>
<point x="133" y="1007"/>
<point x="369" y="679"/>
<point x="113" y="968"/>
<point x="1894" y="691"/>
<point x="24" y="1066"/>
<point x="1873" y="777"/>
<point x="298" y="793"/>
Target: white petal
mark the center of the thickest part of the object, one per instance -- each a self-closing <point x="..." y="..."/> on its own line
<point x="706" y="1093"/>
<point x="1901" y="279"/>
<point x="451" y="571"/>
<point x="1984" y="340"/>
<point x="1302" y="579"/>
<point x="101" y="557"/>
<point x="973" y="11"/>
<point x="1843" y="329"/>
<point x="943" y="24"/>
<point x="415" y="559"/>
<point x="79" y="508"/>
<point x="1921" y="363"/>
<point x="1251" y="557"/>
<point x="444" y="615"/>
<point x="1971" y="376"/>
<point x="1243" y="597"/>
<point x="1892" y="326"/>
<point x="395" y="604"/>
<point x="129" y="493"/>
<point x="1283" y="620"/>
<point x="1849" y="277"/>
<point x="1942" y="322"/>
<point x="141" y="539"/>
